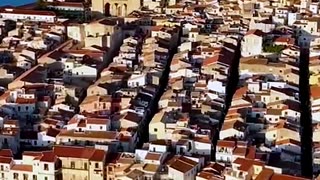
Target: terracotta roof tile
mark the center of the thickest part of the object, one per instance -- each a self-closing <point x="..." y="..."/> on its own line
<point x="22" y="167"/>
<point x="153" y="156"/>
<point x="6" y="153"/>
<point x="224" y="143"/>
<point x="183" y="164"/>
<point x="79" y="152"/>
<point x="5" y="160"/>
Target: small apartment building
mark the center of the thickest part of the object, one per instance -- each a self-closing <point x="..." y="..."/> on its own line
<point x="81" y="162"/>
<point x="224" y="150"/>
<point x="234" y="128"/>
<point x="10" y="135"/>
<point x="25" y="107"/>
<point x="183" y="168"/>
<point x="36" y="165"/>
<point x="243" y="168"/>
<point x="76" y="70"/>
<point x="81" y="123"/>
<point x="6" y="162"/>
<point x="252" y="43"/>
<point x="281" y="131"/>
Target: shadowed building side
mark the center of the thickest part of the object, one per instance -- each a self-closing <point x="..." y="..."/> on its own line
<point x="305" y="121"/>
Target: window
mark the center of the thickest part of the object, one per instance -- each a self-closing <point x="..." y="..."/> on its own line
<point x="97" y="165"/>
<point x="155" y="130"/>
<point x="2" y="175"/>
<point x="1" y="167"/>
<point x="45" y="178"/>
<point x="277" y="98"/>
<point x="25" y="176"/>
<point x="72" y="165"/>
<point x="85" y="166"/>
<point x="46" y="167"/>
<point x="100" y="127"/>
<point x="15" y="175"/>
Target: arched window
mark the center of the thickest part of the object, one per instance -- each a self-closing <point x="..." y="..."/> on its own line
<point x="107" y="9"/>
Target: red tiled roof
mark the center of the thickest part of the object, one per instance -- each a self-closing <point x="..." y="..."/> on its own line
<point x="153" y="156"/>
<point x="79" y="152"/>
<point x="52" y="132"/>
<point x="246" y="164"/>
<point x="20" y="100"/>
<point x="211" y="60"/>
<point x="183" y="164"/>
<point x="22" y="167"/>
<point x="50" y="121"/>
<point x="6" y="153"/>
<point x="48" y="156"/>
<point x="315" y="92"/>
<point x="5" y="160"/>
<point x="98" y="155"/>
<point x="97" y="121"/>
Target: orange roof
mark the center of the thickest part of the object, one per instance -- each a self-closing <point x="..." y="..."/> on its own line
<point x="240" y="92"/>
<point x="20" y="100"/>
<point x="22" y="167"/>
<point x="210" y="60"/>
<point x="6" y="153"/>
<point x="6" y="160"/>
<point x="79" y="152"/>
<point x="315" y="92"/>
<point x="284" y="40"/>
<point x="246" y="164"/>
<point x="153" y="156"/>
<point x="224" y="143"/>
<point x="97" y="121"/>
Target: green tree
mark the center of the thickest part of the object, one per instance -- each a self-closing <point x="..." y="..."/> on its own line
<point x="273" y="48"/>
